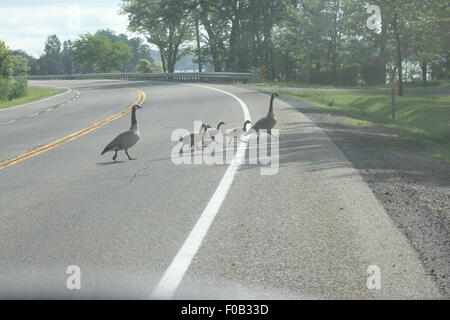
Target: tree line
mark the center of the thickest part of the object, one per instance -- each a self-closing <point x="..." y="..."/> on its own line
<point x="310" y="41"/>
<point x="100" y="52"/>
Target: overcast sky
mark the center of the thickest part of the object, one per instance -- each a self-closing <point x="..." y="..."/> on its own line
<point x="25" y="24"/>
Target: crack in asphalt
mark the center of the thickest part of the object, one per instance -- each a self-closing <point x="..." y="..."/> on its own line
<point x="136" y="174"/>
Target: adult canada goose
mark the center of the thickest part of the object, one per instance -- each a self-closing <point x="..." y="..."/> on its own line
<point x="127" y="139"/>
<point x="237" y="133"/>
<point x="192" y="139"/>
<point x="266" y="123"/>
<point x="219" y="130"/>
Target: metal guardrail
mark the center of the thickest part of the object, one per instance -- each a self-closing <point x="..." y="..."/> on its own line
<point x="179" y="77"/>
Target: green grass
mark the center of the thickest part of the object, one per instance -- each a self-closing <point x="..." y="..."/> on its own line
<point x="431" y="84"/>
<point x="33" y="94"/>
<point x="423" y="118"/>
<point x="281" y="84"/>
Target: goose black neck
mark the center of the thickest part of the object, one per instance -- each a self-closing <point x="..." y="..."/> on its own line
<point x="133" y="118"/>
<point x="271" y="104"/>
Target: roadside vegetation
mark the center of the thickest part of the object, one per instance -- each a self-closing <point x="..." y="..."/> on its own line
<point x="102" y="51"/>
<point x="10" y="88"/>
<point x="15" y="91"/>
<point x="418" y="84"/>
<point x="422" y="116"/>
<point x="32" y="94"/>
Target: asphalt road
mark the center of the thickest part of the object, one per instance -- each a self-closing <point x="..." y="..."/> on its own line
<point x="151" y="229"/>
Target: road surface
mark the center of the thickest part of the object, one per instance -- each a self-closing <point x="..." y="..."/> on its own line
<point x="151" y="229"/>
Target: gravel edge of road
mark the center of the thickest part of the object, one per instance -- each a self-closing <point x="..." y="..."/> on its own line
<point x="413" y="188"/>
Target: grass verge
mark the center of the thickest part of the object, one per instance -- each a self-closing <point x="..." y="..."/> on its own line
<point x="435" y="84"/>
<point x="33" y="94"/>
<point x="423" y="118"/>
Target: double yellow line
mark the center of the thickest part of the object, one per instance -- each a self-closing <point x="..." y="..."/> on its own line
<point x="75" y="135"/>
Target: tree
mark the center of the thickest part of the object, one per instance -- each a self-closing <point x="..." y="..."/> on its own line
<point x="100" y="53"/>
<point x="32" y="62"/>
<point x="144" y="66"/>
<point x="6" y="61"/>
<point x="165" y="23"/>
<point x="52" y="55"/>
<point x="140" y="50"/>
<point x="399" y="19"/>
<point x="20" y="66"/>
<point x="68" y="64"/>
<point x="429" y="34"/>
<point x="158" y="67"/>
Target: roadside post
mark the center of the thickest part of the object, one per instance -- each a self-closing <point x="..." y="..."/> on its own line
<point x="263" y="73"/>
<point x="394" y="85"/>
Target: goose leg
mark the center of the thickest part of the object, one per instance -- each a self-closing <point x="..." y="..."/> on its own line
<point x="269" y="132"/>
<point x="257" y="140"/>
<point x="115" y="156"/>
<point x="130" y="158"/>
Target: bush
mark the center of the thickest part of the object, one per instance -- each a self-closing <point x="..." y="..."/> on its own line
<point x="13" y="89"/>
<point x="19" y="88"/>
<point x="5" y="89"/>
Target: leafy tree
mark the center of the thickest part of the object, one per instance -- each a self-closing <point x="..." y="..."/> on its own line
<point x="158" y="68"/>
<point x="144" y="66"/>
<point x="100" y="53"/>
<point x="10" y="88"/>
<point x="68" y="63"/>
<point x="140" y="50"/>
<point x="6" y="61"/>
<point x="20" y="66"/>
<point x="32" y="62"/>
<point x="52" y="55"/>
<point x="165" y="23"/>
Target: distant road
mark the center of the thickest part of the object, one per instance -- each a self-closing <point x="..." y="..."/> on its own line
<point x="310" y="231"/>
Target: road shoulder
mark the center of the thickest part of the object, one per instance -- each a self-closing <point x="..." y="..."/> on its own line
<point x="413" y="188"/>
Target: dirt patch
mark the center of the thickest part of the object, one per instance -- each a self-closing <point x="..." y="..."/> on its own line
<point x="413" y="187"/>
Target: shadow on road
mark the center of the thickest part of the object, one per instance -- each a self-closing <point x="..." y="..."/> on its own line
<point x="103" y="164"/>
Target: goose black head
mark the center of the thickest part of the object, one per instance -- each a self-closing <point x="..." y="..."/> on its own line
<point x="245" y="125"/>
<point x="206" y="126"/>
<point x="275" y="94"/>
<point x="221" y="123"/>
<point x="135" y="107"/>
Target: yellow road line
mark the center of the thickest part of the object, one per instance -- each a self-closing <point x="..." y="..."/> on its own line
<point x="75" y="135"/>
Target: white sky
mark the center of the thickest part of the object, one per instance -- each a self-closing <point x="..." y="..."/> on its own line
<point x="25" y="24"/>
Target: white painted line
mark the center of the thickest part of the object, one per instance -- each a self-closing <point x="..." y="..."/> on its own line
<point x="8" y="122"/>
<point x="49" y="109"/>
<point x="33" y="115"/>
<point x="174" y="274"/>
